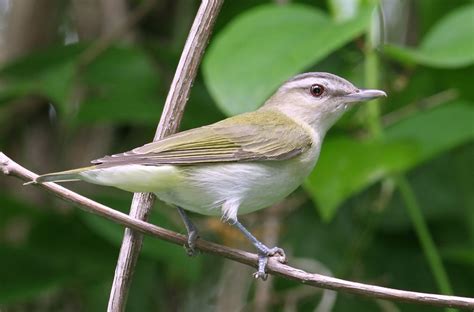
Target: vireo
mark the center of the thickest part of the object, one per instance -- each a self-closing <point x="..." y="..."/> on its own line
<point x="238" y="165"/>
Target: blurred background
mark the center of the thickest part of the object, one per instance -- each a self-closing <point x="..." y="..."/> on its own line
<point x="391" y="201"/>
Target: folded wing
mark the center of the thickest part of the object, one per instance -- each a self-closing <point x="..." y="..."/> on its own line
<point x="256" y="136"/>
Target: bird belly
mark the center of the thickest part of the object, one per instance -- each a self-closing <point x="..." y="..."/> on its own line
<point x="253" y="186"/>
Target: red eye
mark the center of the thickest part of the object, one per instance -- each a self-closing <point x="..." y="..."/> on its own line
<point x="317" y="90"/>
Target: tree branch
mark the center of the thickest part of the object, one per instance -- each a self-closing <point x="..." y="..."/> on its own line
<point x="170" y="118"/>
<point x="9" y="167"/>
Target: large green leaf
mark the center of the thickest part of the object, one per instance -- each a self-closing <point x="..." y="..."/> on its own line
<point x="347" y="166"/>
<point x="264" y="46"/>
<point x="449" y="44"/>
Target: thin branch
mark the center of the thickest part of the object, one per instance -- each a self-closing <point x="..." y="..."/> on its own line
<point x="9" y="167"/>
<point x="427" y="103"/>
<point x="142" y="203"/>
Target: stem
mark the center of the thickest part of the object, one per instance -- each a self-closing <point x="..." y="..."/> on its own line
<point x="170" y="118"/>
<point x="371" y="67"/>
<point x="423" y="233"/>
<point x="374" y="125"/>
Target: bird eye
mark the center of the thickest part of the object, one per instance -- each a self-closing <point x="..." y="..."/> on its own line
<point x="317" y="90"/>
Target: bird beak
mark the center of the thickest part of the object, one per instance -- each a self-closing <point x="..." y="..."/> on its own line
<point x="364" y="95"/>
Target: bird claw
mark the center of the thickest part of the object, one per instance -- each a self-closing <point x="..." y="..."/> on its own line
<point x="260" y="275"/>
<point x="264" y="254"/>
<point x="193" y="233"/>
<point x="190" y="246"/>
<point x="278" y="253"/>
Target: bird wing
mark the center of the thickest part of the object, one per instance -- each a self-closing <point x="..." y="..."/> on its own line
<point x="255" y="136"/>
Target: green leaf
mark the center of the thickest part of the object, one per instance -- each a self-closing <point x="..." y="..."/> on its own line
<point x="36" y="64"/>
<point x="347" y="166"/>
<point x="437" y="130"/>
<point x="264" y="46"/>
<point x="49" y="73"/>
<point x="459" y="255"/>
<point x="449" y="44"/>
<point x="121" y="86"/>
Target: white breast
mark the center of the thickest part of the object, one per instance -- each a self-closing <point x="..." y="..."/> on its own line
<point x="248" y="186"/>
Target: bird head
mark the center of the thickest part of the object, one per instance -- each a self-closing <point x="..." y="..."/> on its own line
<point x="318" y="99"/>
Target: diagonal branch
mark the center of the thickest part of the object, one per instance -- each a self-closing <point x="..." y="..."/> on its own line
<point x="9" y="167"/>
<point x="172" y="112"/>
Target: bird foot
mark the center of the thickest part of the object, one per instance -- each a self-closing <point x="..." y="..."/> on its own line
<point x="190" y="247"/>
<point x="193" y="233"/>
<point x="264" y="253"/>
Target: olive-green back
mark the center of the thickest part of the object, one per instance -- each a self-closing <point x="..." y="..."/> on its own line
<point x="255" y="136"/>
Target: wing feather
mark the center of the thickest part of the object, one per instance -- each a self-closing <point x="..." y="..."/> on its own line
<point x="231" y="140"/>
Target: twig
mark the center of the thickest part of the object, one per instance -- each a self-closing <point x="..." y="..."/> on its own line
<point x="172" y="112"/>
<point x="424" y="104"/>
<point x="9" y="167"/>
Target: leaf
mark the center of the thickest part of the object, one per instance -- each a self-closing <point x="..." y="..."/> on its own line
<point x="449" y="44"/>
<point x="437" y="130"/>
<point x="37" y="63"/>
<point x="347" y="166"/>
<point x="121" y="86"/>
<point x="266" y="45"/>
<point x="48" y="73"/>
<point x="459" y="255"/>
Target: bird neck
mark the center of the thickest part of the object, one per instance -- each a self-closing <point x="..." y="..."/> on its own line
<point x="318" y="121"/>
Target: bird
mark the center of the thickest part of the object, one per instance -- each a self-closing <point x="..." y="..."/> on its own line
<point x="238" y="165"/>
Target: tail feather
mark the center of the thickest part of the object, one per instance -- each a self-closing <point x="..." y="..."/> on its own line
<point x="62" y="176"/>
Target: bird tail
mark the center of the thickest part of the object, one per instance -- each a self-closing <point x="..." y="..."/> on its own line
<point x="62" y="176"/>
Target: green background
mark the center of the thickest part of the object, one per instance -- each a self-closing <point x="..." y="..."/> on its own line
<point x="391" y="201"/>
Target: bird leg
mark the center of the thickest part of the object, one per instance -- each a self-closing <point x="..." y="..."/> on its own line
<point x="193" y="233"/>
<point x="263" y="251"/>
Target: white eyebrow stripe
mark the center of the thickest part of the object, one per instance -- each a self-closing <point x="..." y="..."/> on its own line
<point x="301" y="83"/>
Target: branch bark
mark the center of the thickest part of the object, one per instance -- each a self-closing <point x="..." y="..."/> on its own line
<point x="170" y="119"/>
<point x="9" y="167"/>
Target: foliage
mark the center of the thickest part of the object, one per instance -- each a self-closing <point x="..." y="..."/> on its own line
<point x="449" y="44"/>
<point x="54" y="113"/>
<point x="286" y="44"/>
